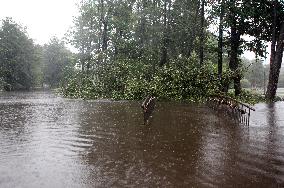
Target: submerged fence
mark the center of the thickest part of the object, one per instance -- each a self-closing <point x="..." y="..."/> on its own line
<point x="237" y="110"/>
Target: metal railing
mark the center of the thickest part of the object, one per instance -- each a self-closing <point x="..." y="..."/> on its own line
<point x="237" y="110"/>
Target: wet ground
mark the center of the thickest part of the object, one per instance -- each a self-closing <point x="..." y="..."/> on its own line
<point x="48" y="141"/>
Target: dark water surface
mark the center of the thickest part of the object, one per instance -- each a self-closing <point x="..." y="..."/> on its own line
<point x="48" y="141"/>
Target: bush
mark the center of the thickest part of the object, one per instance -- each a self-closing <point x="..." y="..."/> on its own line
<point x="181" y="79"/>
<point x="249" y="97"/>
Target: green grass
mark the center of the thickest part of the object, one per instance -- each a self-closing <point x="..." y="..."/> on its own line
<point x="280" y="91"/>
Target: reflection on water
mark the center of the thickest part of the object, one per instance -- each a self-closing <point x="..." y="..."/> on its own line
<point x="48" y="141"/>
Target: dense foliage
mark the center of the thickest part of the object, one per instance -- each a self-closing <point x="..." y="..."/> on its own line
<point x="127" y="49"/>
<point x="25" y="65"/>
<point x="19" y="60"/>
<point x="179" y="80"/>
<point x="57" y="61"/>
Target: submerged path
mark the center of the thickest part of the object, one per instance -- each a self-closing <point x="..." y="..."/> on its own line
<point x="48" y="141"/>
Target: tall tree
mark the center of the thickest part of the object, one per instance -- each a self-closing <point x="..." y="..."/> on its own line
<point x="276" y="49"/>
<point x="220" y="41"/>
<point x="201" y="44"/>
<point x="17" y="56"/>
<point x="266" y="18"/>
<point x="56" y="59"/>
<point x="275" y="66"/>
<point x="165" y="39"/>
<point x="238" y="21"/>
<point x="273" y="40"/>
<point x="235" y="42"/>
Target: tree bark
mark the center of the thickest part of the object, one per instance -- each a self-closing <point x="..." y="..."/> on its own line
<point x="273" y="42"/>
<point x="143" y="24"/>
<point x="142" y="28"/>
<point x="193" y="31"/>
<point x="82" y="58"/>
<point x="164" y="56"/>
<point x="275" y="67"/>
<point x="234" y="64"/>
<point x="220" y="42"/>
<point x="234" y="53"/>
<point x="101" y="10"/>
<point x="201" y="50"/>
<point x="105" y="38"/>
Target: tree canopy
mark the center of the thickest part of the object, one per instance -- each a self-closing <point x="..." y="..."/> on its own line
<point x="129" y="48"/>
<point x="18" y="57"/>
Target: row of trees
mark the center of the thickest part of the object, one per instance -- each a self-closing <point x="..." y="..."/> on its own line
<point x="152" y="30"/>
<point x="127" y="48"/>
<point x="25" y="65"/>
<point x="159" y="33"/>
<point x="124" y="46"/>
<point x="262" y="20"/>
<point x="256" y="75"/>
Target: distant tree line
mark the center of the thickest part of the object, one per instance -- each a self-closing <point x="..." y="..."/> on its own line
<point x="256" y="74"/>
<point x="18" y="57"/>
<point x="25" y="65"/>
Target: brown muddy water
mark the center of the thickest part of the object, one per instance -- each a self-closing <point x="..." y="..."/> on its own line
<point x="49" y="141"/>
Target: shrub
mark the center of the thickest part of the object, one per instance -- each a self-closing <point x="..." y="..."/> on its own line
<point x="181" y="79"/>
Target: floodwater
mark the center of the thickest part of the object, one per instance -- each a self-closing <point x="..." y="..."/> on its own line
<point x="49" y="141"/>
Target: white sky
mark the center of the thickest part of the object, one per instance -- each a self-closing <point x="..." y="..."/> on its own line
<point x="43" y="18"/>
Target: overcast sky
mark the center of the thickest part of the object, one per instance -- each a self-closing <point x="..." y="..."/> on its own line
<point x="43" y="18"/>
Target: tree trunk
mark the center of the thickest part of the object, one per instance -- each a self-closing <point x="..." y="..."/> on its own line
<point x="275" y="67"/>
<point x="101" y="10"/>
<point x="105" y="38"/>
<point x="273" y="42"/>
<point x="234" y="64"/>
<point x="193" y="32"/>
<point x="234" y="52"/>
<point x="220" y="42"/>
<point x="143" y="24"/>
<point x="201" y="50"/>
<point x="142" y="28"/>
<point x="82" y="58"/>
<point x="164" y="56"/>
<point x="269" y="93"/>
